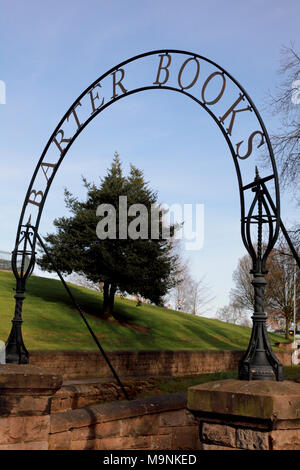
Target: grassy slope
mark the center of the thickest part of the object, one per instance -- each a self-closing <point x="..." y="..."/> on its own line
<point x="51" y="322"/>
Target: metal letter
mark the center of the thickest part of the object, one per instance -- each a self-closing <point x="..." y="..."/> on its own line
<point x="250" y="146"/>
<point x="61" y="132"/>
<point x="115" y="83"/>
<point x="165" y="68"/>
<point x="48" y="165"/>
<point x="207" y="82"/>
<point x="75" y="115"/>
<point x="36" y="194"/>
<point x="182" y="69"/>
<point x="96" y="97"/>
<point x="233" y="111"/>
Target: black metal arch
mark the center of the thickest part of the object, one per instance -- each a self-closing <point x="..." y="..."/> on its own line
<point x="261" y="363"/>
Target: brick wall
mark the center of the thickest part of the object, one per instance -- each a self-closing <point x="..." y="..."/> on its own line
<point x="75" y="364"/>
<point x="30" y="418"/>
<point x="149" y="423"/>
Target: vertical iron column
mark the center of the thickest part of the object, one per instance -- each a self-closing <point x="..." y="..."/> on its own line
<point x="15" y="349"/>
<point x="259" y="361"/>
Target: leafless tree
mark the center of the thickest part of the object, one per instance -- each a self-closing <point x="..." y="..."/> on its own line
<point x="232" y="313"/>
<point x="190" y="295"/>
<point x="242" y="295"/>
<point x="199" y="297"/>
<point x="279" y="294"/>
<point x="285" y="103"/>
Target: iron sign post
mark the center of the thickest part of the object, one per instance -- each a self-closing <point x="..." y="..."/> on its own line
<point x="259" y="361"/>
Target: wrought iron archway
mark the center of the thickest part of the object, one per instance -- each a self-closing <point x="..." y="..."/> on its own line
<point x="261" y="195"/>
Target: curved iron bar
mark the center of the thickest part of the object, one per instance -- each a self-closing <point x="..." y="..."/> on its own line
<point x="22" y="277"/>
<point x="247" y="228"/>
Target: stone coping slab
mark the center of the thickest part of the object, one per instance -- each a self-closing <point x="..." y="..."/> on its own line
<point x="263" y="399"/>
<point x="16" y="378"/>
<point x="95" y="414"/>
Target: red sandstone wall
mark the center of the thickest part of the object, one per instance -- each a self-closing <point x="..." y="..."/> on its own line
<point x="149" y="424"/>
<point x="75" y="364"/>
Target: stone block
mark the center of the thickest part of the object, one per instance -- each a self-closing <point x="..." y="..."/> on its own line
<point x="164" y="430"/>
<point x="11" y="430"/>
<point x="26" y="405"/>
<point x="160" y="442"/>
<point x="26" y="446"/>
<point x="97" y="431"/>
<point x="218" y="434"/>
<point x="286" y="439"/>
<point x="141" y="426"/>
<point x="16" y="378"/>
<point x="91" y="444"/>
<point x="252" y="439"/>
<point x="189" y="418"/>
<point x="36" y="428"/>
<point x="173" y="418"/>
<point x="123" y="443"/>
<point x="186" y="438"/>
<point x="261" y="399"/>
<point x="60" y="441"/>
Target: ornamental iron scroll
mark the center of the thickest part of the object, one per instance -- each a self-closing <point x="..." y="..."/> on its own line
<point x="216" y="91"/>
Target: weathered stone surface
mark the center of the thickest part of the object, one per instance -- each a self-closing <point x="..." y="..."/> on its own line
<point x="141" y="426"/>
<point x="216" y="447"/>
<point x="151" y="423"/>
<point x="90" y="444"/>
<point x="163" y="442"/>
<point x="26" y="390"/>
<point x="116" y="411"/>
<point x="287" y="439"/>
<point x="189" y="418"/>
<point x="60" y="441"/>
<point x="252" y="440"/>
<point x="26" y="405"/>
<point x="11" y="430"/>
<point x="97" y="431"/>
<point x="36" y="428"/>
<point x="124" y="443"/>
<point x="75" y="364"/>
<point x="173" y="418"/>
<point x="185" y="438"/>
<point x="80" y="395"/>
<point x="218" y="434"/>
<point x="26" y="446"/>
<point x="256" y="399"/>
<point x="61" y="422"/>
<point x="17" y="378"/>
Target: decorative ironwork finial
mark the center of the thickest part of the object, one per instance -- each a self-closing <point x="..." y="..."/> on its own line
<point x="257" y="177"/>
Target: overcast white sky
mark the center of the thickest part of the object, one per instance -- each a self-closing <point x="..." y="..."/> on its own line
<point x="51" y="51"/>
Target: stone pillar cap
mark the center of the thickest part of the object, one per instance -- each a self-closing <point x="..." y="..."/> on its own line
<point x="262" y="399"/>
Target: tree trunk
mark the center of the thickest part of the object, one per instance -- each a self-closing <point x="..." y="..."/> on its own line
<point x="288" y="319"/>
<point x="109" y="290"/>
<point x="112" y="292"/>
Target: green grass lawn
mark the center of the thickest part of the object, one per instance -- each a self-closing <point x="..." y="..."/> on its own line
<point x="52" y="323"/>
